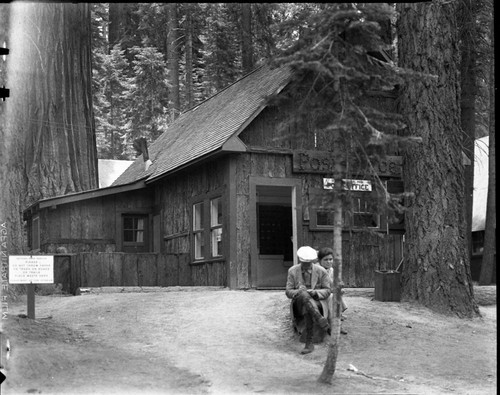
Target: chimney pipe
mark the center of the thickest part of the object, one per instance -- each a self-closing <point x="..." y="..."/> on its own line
<point x="141" y="146"/>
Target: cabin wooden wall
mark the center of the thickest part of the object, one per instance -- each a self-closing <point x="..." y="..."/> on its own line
<point x="268" y="131"/>
<point x="271" y="148"/>
<point x="175" y="197"/>
<point x="362" y="252"/>
<point x="88" y="225"/>
<point x="118" y="269"/>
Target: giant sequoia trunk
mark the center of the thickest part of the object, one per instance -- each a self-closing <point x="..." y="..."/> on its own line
<point x="436" y="272"/>
<point x="50" y="146"/>
<point x="469" y="36"/>
<point x="489" y="254"/>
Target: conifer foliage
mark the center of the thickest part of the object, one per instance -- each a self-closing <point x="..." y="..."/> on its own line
<point x="200" y="44"/>
<point x="335" y="51"/>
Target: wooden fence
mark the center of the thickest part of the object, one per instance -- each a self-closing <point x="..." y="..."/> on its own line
<point x="101" y="269"/>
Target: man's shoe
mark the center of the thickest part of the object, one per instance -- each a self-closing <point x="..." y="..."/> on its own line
<point x="343" y="331"/>
<point x="323" y="323"/>
<point x="309" y="348"/>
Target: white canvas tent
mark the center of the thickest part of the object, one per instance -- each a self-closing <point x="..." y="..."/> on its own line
<point x="110" y="169"/>
<point x="480" y="184"/>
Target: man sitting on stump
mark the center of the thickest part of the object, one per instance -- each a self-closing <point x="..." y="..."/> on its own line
<point x="308" y="286"/>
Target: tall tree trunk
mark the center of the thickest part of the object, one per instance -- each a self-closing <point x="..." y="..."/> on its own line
<point x="188" y="32"/>
<point x="246" y="37"/>
<point x="437" y="268"/>
<point x="49" y="148"/>
<point x="117" y="21"/>
<point x="468" y="83"/>
<point x="489" y="250"/>
<point x="173" y="60"/>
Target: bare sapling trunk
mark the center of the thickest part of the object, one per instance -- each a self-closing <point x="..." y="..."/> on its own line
<point x="335" y="318"/>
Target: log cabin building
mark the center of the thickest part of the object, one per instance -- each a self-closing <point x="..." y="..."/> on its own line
<point x="230" y="192"/>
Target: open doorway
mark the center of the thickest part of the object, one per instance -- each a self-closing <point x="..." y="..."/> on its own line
<point x="274" y="237"/>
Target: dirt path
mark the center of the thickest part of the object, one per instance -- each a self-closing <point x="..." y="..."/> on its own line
<point x="240" y="342"/>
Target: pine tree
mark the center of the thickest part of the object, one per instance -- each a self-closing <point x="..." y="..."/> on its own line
<point x="149" y="94"/>
<point x="436" y="272"/>
<point x="329" y="49"/>
<point x="221" y="49"/>
<point x="113" y="103"/>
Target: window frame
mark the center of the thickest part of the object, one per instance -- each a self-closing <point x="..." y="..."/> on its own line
<point x="215" y="227"/>
<point x="127" y="246"/>
<point x="198" y="231"/>
<point x="133" y="216"/>
<point x="347" y="225"/>
<point x="208" y="229"/>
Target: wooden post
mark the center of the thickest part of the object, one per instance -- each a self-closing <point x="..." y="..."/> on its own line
<point x="31" y="301"/>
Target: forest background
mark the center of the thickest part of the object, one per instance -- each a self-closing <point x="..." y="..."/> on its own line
<point x="151" y="61"/>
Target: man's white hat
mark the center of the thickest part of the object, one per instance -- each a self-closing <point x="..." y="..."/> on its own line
<point x="307" y="254"/>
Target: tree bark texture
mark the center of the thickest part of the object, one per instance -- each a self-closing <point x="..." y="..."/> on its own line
<point x="468" y="82"/>
<point x="188" y="33"/>
<point x="246" y="37"/>
<point x="50" y="140"/>
<point x="334" y="340"/>
<point x="173" y="60"/>
<point x="489" y="250"/>
<point x="117" y="20"/>
<point x="436" y="272"/>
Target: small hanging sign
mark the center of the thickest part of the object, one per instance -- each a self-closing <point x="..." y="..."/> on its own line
<point x="349" y="185"/>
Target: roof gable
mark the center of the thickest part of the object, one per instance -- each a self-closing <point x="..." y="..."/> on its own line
<point x="206" y="128"/>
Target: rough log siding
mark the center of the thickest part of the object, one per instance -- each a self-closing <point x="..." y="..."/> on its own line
<point x="88" y="225"/>
<point x="362" y="252"/>
<point x="102" y="269"/>
<point x="147" y="269"/>
<point x="242" y="241"/>
<point x="176" y="196"/>
<point x="129" y="270"/>
<point x="209" y="274"/>
<point x="268" y="130"/>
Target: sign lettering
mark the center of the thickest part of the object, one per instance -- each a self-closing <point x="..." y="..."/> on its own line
<point x="26" y="269"/>
<point x="349" y="185"/>
<point x="322" y="162"/>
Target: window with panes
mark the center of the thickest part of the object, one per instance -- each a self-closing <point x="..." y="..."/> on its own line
<point x="207" y="228"/>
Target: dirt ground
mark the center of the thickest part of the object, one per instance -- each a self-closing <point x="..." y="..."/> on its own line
<point x="218" y="341"/>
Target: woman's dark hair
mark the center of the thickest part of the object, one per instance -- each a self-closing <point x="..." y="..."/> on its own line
<point x="324" y="252"/>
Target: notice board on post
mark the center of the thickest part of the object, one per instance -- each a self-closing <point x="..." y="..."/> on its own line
<point x="31" y="269"/>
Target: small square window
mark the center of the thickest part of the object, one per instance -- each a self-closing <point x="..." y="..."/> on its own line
<point x="363" y="215"/>
<point x="324" y="218"/>
<point x="134" y="228"/>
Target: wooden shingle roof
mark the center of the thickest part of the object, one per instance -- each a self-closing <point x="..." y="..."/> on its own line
<point x="210" y="127"/>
